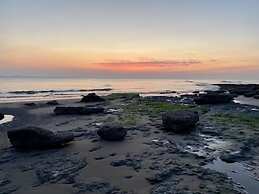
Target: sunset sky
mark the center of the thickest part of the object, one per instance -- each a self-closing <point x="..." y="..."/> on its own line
<point x="129" y="38"/>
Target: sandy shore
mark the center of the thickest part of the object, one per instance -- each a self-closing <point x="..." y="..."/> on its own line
<point x="149" y="160"/>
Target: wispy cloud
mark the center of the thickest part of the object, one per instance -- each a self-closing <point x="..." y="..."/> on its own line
<point x="151" y="62"/>
<point x="145" y="65"/>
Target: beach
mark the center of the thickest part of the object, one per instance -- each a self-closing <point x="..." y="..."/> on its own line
<point x="148" y="160"/>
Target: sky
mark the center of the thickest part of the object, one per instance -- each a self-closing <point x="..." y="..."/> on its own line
<point x="130" y="38"/>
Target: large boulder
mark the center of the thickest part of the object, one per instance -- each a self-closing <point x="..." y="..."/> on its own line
<point x="1" y="116"/>
<point x="112" y="132"/>
<point x="80" y="110"/>
<point x="92" y="97"/>
<point x="181" y="121"/>
<point x="38" y="138"/>
<point x="213" y="98"/>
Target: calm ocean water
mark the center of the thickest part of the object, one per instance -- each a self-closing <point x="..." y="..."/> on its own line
<point x="25" y="89"/>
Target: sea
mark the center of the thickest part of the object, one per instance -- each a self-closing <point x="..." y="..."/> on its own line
<point x="39" y="89"/>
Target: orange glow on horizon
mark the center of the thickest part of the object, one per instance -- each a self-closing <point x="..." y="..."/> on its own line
<point x="127" y="62"/>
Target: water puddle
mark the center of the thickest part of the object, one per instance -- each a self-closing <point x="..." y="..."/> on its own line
<point x="243" y="177"/>
<point x="246" y="101"/>
<point x="211" y="146"/>
<point x="98" y="124"/>
<point x="6" y="119"/>
<point x="161" y="141"/>
<point x="112" y="110"/>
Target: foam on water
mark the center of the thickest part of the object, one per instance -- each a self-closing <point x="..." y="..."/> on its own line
<point x="6" y="119"/>
<point x="21" y="90"/>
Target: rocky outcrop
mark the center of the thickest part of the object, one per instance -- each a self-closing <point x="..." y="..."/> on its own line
<point x="180" y="121"/>
<point x="38" y="138"/>
<point x="92" y="97"/>
<point x="81" y="110"/>
<point x="248" y="90"/>
<point x="1" y="116"/>
<point x="213" y="98"/>
<point x="52" y="103"/>
<point x="30" y="104"/>
<point x="112" y="132"/>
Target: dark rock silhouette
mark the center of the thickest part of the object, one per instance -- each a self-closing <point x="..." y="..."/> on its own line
<point x="112" y="132"/>
<point x="92" y="97"/>
<point x="81" y="110"/>
<point x="30" y="104"/>
<point x="38" y="138"/>
<point x="1" y="116"/>
<point x="52" y="102"/>
<point x="247" y="90"/>
<point x="213" y="98"/>
<point x="180" y="121"/>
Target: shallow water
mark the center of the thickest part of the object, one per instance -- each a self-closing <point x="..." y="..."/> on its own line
<point x="211" y="146"/>
<point x="247" y="101"/>
<point x="48" y="89"/>
<point x="242" y="176"/>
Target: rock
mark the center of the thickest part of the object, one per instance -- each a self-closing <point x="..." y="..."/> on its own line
<point x="38" y="138"/>
<point x="180" y="121"/>
<point x="250" y="94"/>
<point x="92" y="97"/>
<point x="1" y="116"/>
<point x="30" y="104"/>
<point x="232" y="157"/>
<point x="213" y="98"/>
<point x="240" y="89"/>
<point x="52" y="102"/>
<point x="134" y="163"/>
<point x="163" y="174"/>
<point x="78" y="110"/>
<point x="112" y="132"/>
<point x="97" y="186"/>
<point x="59" y="168"/>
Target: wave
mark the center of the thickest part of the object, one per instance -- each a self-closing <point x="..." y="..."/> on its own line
<point x="31" y="92"/>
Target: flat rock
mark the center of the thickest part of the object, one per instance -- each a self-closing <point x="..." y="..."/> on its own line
<point x="162" y="175"/>
<point x="81" y="110"/>
<point x="97" y="186"/>
<point x="248" y="90"/>
<point x="38" y="138"/>
<point x="213" y="98"/>
<point x="92" y="97"/>
<point x="112" y="132"/>
<point x="59" y="168"/>
<point x="180" y="121"/>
